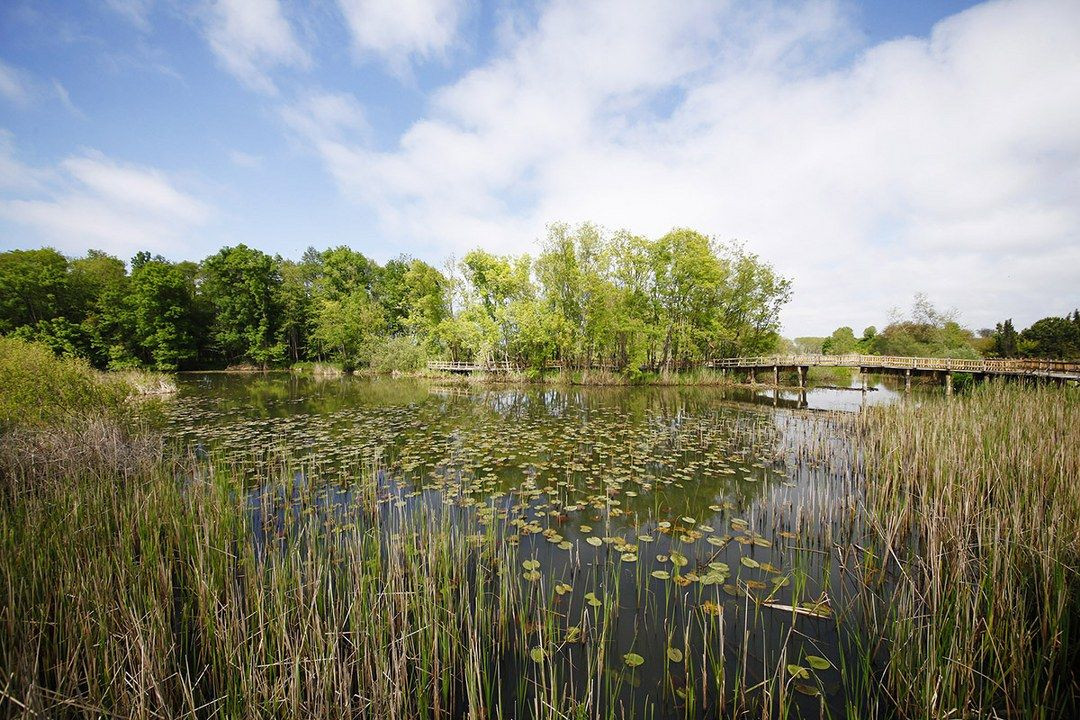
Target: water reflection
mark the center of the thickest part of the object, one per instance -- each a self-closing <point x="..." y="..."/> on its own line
<point x="674" y="515"/>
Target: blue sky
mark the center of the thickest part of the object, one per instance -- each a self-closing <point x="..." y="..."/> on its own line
<point x="870" y="150"/>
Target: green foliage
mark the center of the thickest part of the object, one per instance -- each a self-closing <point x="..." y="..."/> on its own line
<point x="841" y="342"/>
<point x="34" y="286"/>
<point x="589" y="301"/>
<point x="346" y="329"/>
<point x="402" y="353"/>
<point x="160" y="315"/>
<point x="244" y="288"/>
<point x="1053" y="337"/>
<point x="41" y="389"/>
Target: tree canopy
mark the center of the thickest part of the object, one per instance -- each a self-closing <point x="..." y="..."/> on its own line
<point x="588" y="299"/>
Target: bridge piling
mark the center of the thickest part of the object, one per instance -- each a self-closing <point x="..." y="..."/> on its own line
<point x="775" y="375"/>
<point x="948" y="382"/>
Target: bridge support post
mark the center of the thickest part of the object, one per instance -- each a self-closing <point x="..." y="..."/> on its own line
<point x="802" y="375"/>
<point x="948" y="382"/>
<point x="751" y="377"/>
<point x="775" y="375"/>
<point x="907" y="380"/>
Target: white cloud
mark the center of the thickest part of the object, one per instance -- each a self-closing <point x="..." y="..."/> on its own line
<point x="14" y="84"/>
<point x="401" y="30"/>
<point x="949" y="164"/>
<point x="90" y="200"/>
<point x="245" y="160"/>
<point x="251" y="37"/>
<point x="137" y="12"/>
<point x="24" y="90"/>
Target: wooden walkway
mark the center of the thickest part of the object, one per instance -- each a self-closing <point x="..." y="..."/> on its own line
<point x="942" y="368"/>
<point x="463" y="368"/>
<point x="906" y="366"/>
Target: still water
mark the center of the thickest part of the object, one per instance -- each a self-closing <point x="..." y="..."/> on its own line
<point x="715" y="528"/>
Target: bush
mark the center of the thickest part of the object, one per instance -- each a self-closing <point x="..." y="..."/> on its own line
<point x="38" y="389"/>
<point x="400" y="354"/>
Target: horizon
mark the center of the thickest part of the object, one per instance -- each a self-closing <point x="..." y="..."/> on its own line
<point x="867" y="151"/>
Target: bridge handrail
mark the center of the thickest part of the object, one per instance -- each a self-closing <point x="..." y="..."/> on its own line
<point x="899" y="362"/>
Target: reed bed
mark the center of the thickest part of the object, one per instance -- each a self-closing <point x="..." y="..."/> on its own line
<point x="977" y="502"/>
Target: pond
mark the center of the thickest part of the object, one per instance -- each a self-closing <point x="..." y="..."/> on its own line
<point x="707" y="538"/>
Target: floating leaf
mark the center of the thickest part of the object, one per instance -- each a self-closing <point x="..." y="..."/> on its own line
<point x="531" y="575"/>
<point x="817" y="662"/>
<point x="805" y="689"/>
<point x="661" y="574"/>
<point x="563" y="588"/>
<point x="531" y="564"/>
<point x="629" y="557"/>
<point x="749" y="562"/>
<point x="633" y="659"/>
<point x="799" y="672"/>
<point x="594" y="541"/>
<point x="674" y="654"/>
<point x="710" y="608"/>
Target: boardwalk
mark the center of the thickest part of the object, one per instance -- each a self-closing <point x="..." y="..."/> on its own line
<point x="941" y="368"/>
<point x="906" y="366"/>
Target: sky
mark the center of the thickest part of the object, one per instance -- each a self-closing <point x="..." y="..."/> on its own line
<point x="868" y="150"/>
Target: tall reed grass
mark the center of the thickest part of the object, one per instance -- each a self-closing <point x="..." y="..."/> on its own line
<point x="977" y="501"/>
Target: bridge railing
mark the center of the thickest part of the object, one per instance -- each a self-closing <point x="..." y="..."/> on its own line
<point x="451" y="366"/>
<point x="1013" y="366"/>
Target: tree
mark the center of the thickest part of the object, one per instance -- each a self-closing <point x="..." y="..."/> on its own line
<point x="841" y="342"/>
<point x="346" y="328"/>
<point x="1005" y="342"/>
<point x="927" y="332"/>
<point x="161" y="315"/>
<point x="243" y="287"/>
<point x="34" y="286"/>
<point x="1052" y="337"/>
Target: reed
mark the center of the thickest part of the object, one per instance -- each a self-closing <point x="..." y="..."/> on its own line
<point x="977" y="502"/>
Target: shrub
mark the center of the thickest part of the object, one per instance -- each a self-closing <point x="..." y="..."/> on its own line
<point x="38" y="389"/>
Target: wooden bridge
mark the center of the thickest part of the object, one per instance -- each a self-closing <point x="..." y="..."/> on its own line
<point x="464" y="368"/>
<point x="941" y="368"/>
<point x="906" y="366"/>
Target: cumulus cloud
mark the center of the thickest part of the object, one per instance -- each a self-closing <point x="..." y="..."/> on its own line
<point x="251" y="37"/>
<point x="948" y="163"/>
<point x="90" y="200"/>
<point x="401" y="30"/>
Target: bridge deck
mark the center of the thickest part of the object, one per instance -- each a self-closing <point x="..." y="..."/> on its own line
<point x="1035" y="368"/>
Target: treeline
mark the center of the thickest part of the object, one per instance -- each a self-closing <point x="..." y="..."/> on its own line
<point x="589" y="299"/>
<point x="929" y="332"/>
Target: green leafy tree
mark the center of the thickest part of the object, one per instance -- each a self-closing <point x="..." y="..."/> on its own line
<point x="34" y="286"/>
<point x="346" y="329"/>
<point x="1052" y="337"/>
<point x="243" y="287"/>
<point x="161" y="314"/>
<point x="841" y="342"/>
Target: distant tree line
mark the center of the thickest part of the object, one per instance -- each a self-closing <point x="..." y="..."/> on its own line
<point x="928" y="332"/>
<point x="589" y="299"/>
